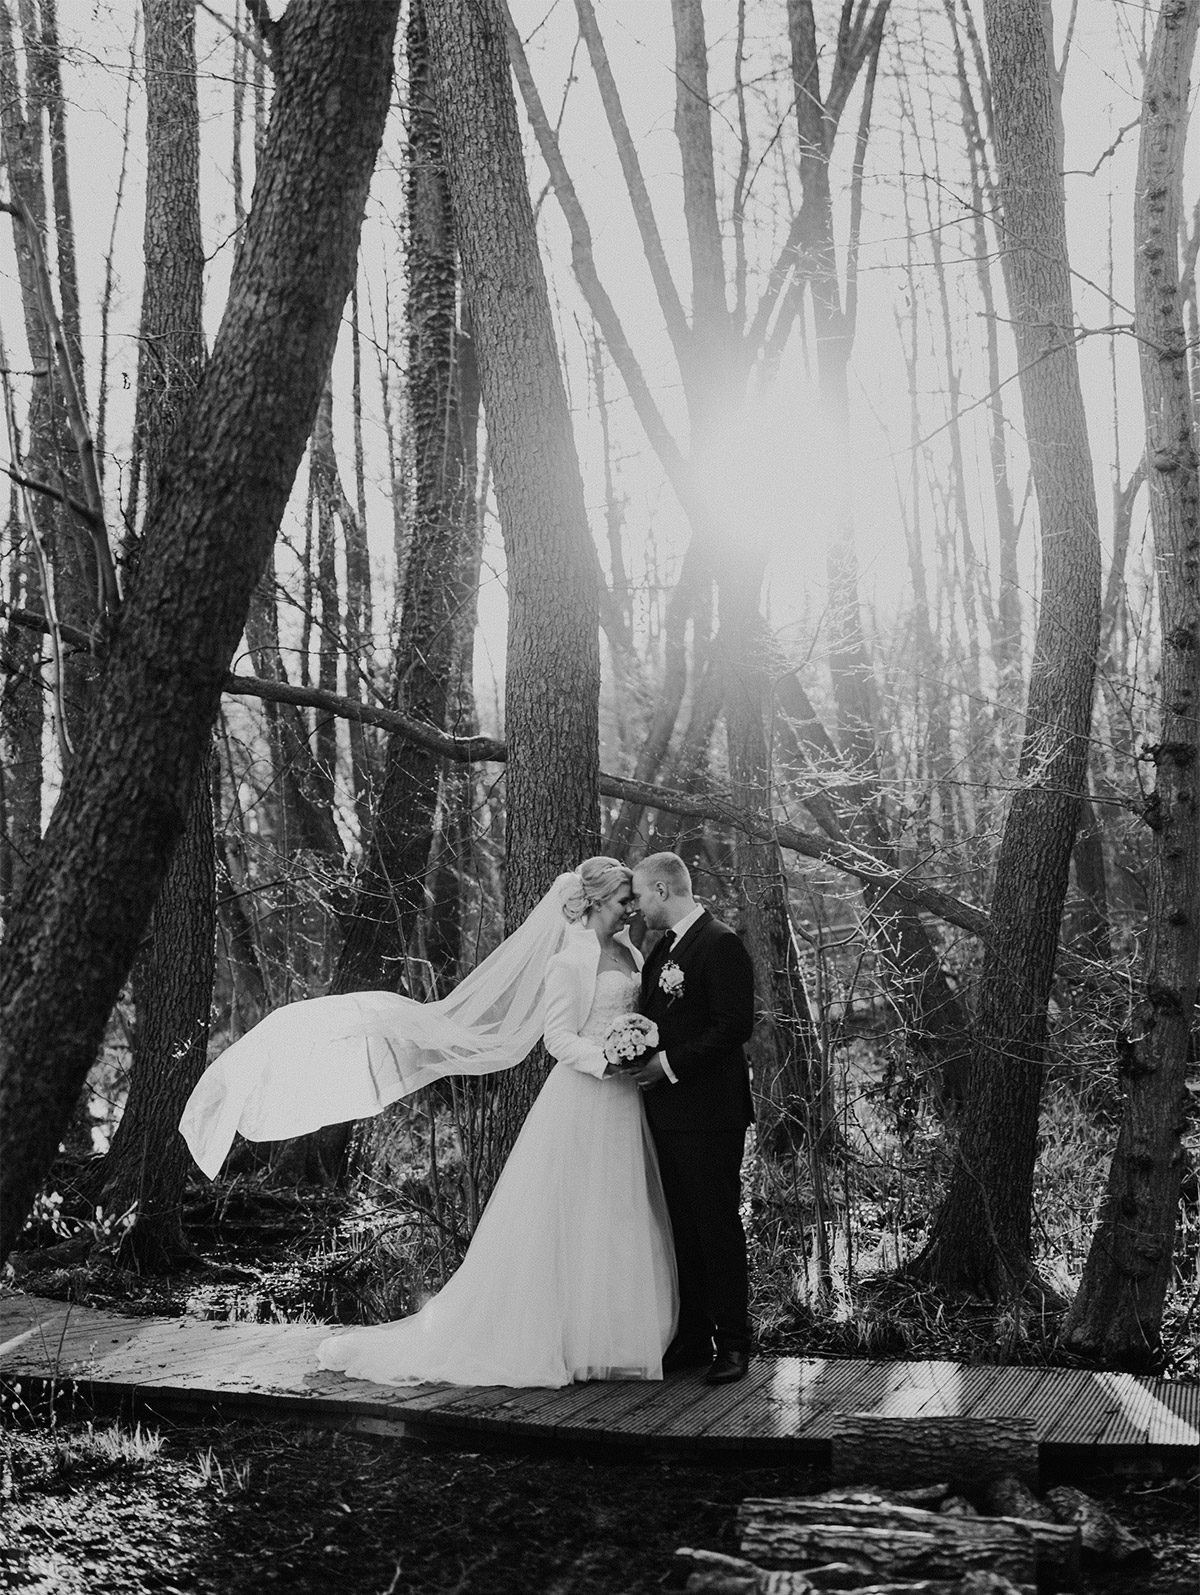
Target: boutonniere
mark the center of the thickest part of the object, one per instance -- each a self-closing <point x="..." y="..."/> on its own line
<point x="670" y="980"/>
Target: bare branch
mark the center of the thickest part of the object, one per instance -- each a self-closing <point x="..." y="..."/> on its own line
<point x="635" y="182"/>
<point x="714" y="806"/>
<point x="267" y="25"/>
<point x="1111" y="150"/>
<point x="256" y="46"/>
<point x="86" y="515"/>
<point x="596" y="295"/>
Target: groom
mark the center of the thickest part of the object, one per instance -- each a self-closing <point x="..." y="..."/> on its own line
<point x="698" y="987"/>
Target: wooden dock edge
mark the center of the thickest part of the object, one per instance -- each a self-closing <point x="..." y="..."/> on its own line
<point x="391" y="1421"/>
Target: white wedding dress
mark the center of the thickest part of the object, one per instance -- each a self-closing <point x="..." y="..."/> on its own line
<point x="571" y="1272"/>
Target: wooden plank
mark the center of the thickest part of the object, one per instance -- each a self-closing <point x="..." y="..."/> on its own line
<point x="870" y="1385"/>
<point x="774" y="1411"/>
<point x="1140" y="1417"/>
<point x="272" y="1367"/>
<point x="592" y="1406"/>
<point x="1084" y="1419"/>
<point x="1182" y="1403"/>
<point x="997" y="1392"/>
<point x="498" y="1408"/>
<point x="701" y="1418"/>
<point x="632" y="1397"/>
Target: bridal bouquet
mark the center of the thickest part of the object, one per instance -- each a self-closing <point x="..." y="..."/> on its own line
<point x="629" y="1040"/>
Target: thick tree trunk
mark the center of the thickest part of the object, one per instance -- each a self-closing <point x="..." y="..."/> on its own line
<point x="552" y="687"/>
<point x="228" y="473"/>
<point x="147" y="1164"/>
<point x="981" y="1238"/>
<point x="390" y="892"/>
<point x="1117" y="1314"/>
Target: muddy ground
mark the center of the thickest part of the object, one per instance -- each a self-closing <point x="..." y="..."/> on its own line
<point x="245" y="1508"/>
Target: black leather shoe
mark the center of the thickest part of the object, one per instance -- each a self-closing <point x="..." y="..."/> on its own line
<point x="727" y="1367"/>
<point x="677" y="1358"/>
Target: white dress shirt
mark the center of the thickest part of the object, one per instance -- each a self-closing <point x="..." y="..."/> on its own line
<point x="678" y="931"/>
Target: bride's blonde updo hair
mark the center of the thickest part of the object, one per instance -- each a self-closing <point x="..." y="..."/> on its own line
<point x="598" y="879"/>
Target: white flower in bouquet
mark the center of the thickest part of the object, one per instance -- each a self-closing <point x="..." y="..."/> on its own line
<point x="630" y="1039"/>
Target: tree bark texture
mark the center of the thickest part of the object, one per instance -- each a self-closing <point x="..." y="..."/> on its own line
<point x="224" y="485"/>
<point x="49" y="446"/>
<point x="147" y="1165"/>
<point x="1055" y="1547"/>
<point x="21" y="720"/>
<point x="552" y="685"/>
<point x="1116" y="1316"/>
<point x="390" y="890"/>
<point x="171" y="334"/>
<point x="981" y="1237"/>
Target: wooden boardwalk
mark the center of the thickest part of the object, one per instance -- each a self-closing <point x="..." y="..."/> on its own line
<point x="187" y="1367"/>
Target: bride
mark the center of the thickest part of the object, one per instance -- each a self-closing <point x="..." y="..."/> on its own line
<point x="570" y="1274"/>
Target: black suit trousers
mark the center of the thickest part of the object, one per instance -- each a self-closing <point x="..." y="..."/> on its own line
<point x="701" y="1177"/>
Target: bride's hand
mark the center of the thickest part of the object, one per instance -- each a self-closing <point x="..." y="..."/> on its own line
<point x="650" y="1073"/>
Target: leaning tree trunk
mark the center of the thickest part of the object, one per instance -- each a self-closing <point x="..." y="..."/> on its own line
<point x="981" y="1237"/>
<point x="224" y="486"/>
<point x="1117" y="1314"/>
<point x="552" y="687"/>
<point x="147" y="1165"/>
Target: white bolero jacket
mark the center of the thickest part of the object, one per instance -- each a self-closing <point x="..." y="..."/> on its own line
<point x="570" y="987"/>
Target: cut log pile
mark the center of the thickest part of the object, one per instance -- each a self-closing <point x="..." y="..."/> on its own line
<point x="928" y="1540"/>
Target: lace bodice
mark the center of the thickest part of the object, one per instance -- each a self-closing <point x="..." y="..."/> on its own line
<point x="616" y="993"/>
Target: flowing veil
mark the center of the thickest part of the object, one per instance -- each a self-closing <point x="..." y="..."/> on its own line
<point x="329" y="1059"/>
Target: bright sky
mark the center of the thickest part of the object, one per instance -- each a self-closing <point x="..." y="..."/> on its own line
<point x="771" y="472"/>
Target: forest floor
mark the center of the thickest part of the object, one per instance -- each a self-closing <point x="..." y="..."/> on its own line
<point x="265" y="1254"/>
<point x="247" y="1507"/>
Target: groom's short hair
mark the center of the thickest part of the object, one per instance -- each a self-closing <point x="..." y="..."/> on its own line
<point x="670" y="869"/>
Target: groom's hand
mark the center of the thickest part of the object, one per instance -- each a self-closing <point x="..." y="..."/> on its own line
<point x="650" y="1073"/>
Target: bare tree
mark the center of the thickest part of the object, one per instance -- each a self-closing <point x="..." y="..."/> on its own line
<point x="147" y="1166"/>
<point x="1117" y="1314"/>
<point x="75" y="928"/>
<point x="552" y="683"/>
<point x="981" y="1238"/>
<point x="390" y="889"/>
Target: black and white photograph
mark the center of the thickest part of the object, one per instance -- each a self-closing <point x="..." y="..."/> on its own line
<point x="599" y="797"/>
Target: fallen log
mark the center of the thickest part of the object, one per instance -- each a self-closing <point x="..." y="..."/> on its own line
<point x="1055" y="1547"/>
<point x="943" y="1551"/>
<point x="718" y="1574"/>
<point x="929" y="1496"/>
<point x="900" y="1451"/>
<point x="1009" y="1497"/>
<point x="1101" y="1535"/>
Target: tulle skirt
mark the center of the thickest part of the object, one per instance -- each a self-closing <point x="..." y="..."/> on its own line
<point x="571" y="1272"/>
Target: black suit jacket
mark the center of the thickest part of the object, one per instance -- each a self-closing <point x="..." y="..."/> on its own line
<point x="702" y="1029"/>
